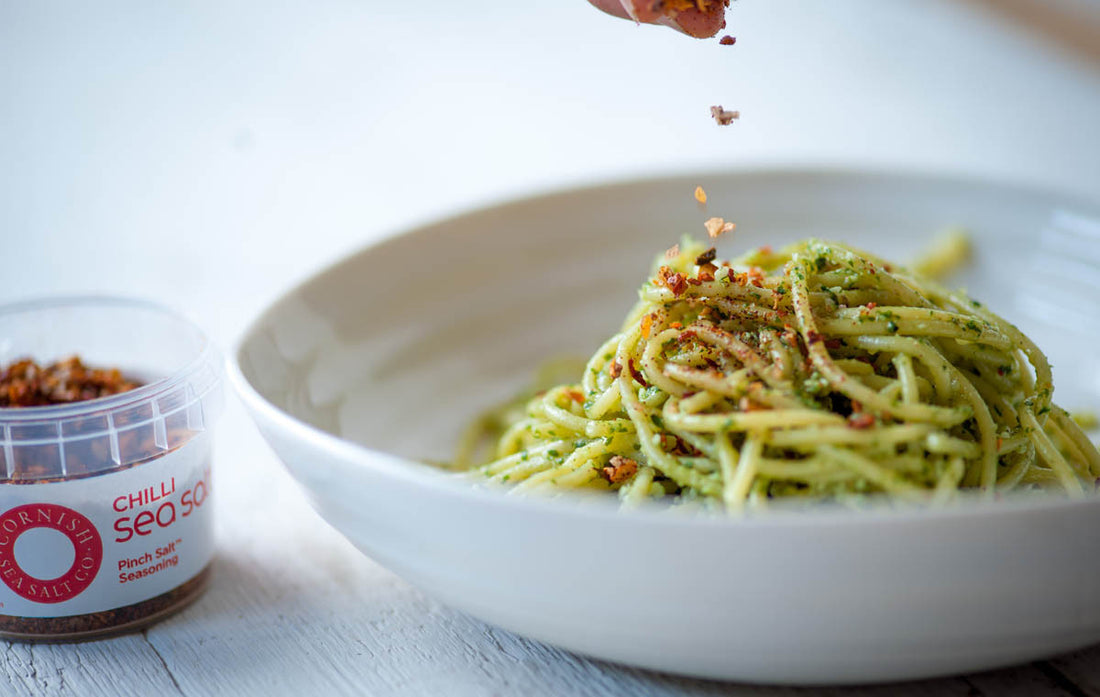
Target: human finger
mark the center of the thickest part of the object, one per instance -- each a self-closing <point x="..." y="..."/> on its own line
<point x="698" y="18"/>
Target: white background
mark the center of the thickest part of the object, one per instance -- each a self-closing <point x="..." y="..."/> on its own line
<point x="209" y="154"/>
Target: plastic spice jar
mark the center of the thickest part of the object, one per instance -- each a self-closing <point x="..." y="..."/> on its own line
<point x="105" y="509"/>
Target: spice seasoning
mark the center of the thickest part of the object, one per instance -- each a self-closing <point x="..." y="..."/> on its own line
<point x="105" y="511"/>
<point x="723" y="117"/>
<point x="717" y="227"/>
<point x="619" y="469"/>
<point x="26" y="384"/>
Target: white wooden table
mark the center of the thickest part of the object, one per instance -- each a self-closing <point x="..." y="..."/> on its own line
<point x="207" y="156"/>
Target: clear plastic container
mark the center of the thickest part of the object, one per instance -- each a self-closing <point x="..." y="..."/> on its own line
<point x="106" y="522"/>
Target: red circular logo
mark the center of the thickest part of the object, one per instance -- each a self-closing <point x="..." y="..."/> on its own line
<point x="73" y="525"/>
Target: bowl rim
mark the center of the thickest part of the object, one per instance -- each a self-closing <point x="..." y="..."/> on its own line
<point x="453" y="485"/>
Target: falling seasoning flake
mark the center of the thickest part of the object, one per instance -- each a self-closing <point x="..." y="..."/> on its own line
<point x="723" y="117"/>
<point x="700" y="195"/>
<point x="717" y="226"/>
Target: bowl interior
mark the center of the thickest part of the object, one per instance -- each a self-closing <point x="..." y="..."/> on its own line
<point x="400" y="346"/>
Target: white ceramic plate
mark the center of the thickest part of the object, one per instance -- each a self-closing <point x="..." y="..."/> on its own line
<point x="377" y="363"/>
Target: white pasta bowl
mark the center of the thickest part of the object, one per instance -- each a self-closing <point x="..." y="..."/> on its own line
<point x="373" y="367"/>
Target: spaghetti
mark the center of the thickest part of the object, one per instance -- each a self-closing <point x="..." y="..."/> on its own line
<point x="814" y="371"/>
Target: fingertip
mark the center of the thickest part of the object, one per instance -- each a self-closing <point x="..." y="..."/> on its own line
<point x="700" y="25"/>
<point x="612" y="7"/>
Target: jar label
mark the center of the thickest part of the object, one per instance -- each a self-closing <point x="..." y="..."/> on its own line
<point x="108" y="541"/>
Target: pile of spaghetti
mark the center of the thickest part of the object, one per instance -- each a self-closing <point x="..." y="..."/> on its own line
<point x="814" y="371"/>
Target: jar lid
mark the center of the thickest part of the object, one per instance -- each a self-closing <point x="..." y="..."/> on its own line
<point x="180" y="397"/>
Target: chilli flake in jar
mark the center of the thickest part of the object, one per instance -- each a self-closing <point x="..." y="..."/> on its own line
<point x="106" y="521"/>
